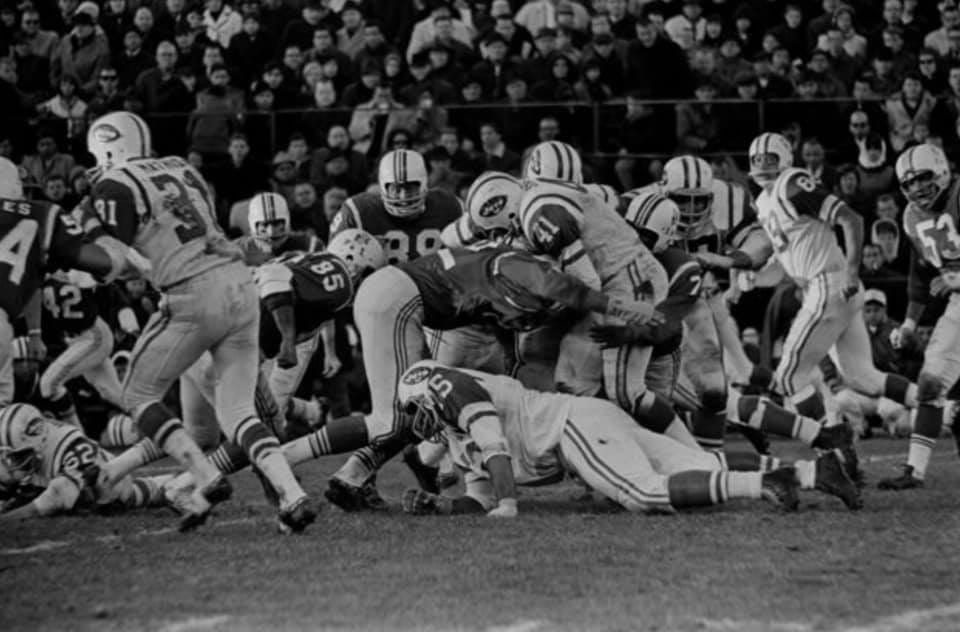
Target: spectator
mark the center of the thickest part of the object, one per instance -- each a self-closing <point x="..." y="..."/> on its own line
<point x="33" y="71"/>
<point x="844" y="65"/>
<point x="170" y="17"/>
<point x="47" y="162"/>
<point x="904" y="61"/>
<point x="770" y="85"/>
<point x="115" y="20"/>
<point x="539" y="14"/>
<point x="858" y="128"/>
<point x="460" y="53"/>
<point x="886" y="234"/>
<point x="813" y="160"/>
<point x="854" y="43"/>
<point x="517" y="123"/>
<point x="460" y="160"/>
<point x="189" y="50"/>
<point x="55" y="190"/>
<point x="591" y="87"/>
<point x="887" y="207"/>
<point x="873" y="270"/>
<point x="284" y="176"/>
<point x="911" y="106"/>
<point x="547" y="130"/>
<point x="132" y="60"/>
<point x="81" y="54"/>
<point x="337" y="142"/>
<point x="441" y="174"/>
<point x="350" y="38"/>
<point x="239" y="178"/>
<point x="744" y="32"/>
<point x="325" y="47"/>
<point x="333" y="200"/>
<point x="430" y="120"/>
<point x="161" y="91"/>
<point x="299" y="151"/>
<point x="425" y="31"/>
<point x="939" y="40"/>
<point x="874" y="173"/>
<point x="250" y="49"/>
<point x="306" y="212"/>
<point x="78" y="185"/>
<point x="275" y="15"/>
<point x="943" y="119"/>
<point x="494" y="71"/>
<point x="68" y="107"/>
<point x="697" y="123"/>
<point x="642" y="131"/>
<point x="299" y="32"/>
<point x="144" y="23"/>
<point x="537" y="67"/>
<point x="108" y="97"/>
<point x="13" y="106"/>
<point x="730" y="63"/>
<point x="570" y="39"/>
<point x="373" y="121"/>
<point x="704" y="67"/>
<point x="375" y="47"/>
<point x="791" y="33"/>
<point x="217" y="116"/>
<point x="444" y="66"/>
<point x="656" y="66"/>
<point x="829" y="85"/>
<point x="603" y="52"/>
<point x="212" y="56"/>
<point x="221" y="22"/>
<point x="931" y="72"/>
<point x="892" y="16"/>
<point x="557" y="87"/>
<point x="519" y="40"/>
<point x="42" y="43"/>
<point x="687" y="27"/>
<point x="879" y="327"/>
<point x="713" y="33"/>
<point x="496" y="155"/>
<point x="848" y="187"/>
<point x="324" y="115"/>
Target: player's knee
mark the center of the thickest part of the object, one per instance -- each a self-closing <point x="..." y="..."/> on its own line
<point x="156" y="422"/>
<point x="930" y="387"/>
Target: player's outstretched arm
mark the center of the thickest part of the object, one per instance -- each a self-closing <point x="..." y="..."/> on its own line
<point x="852" y="225"/>
<point x="60" y="495"/>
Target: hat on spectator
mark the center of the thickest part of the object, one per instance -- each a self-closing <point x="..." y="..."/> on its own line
<point x="546" y="32"/>
<point x="564" y="6"/>
<point x="314" y="4"/>
<point x="350" y="5"/>
<point x="874" y="295"/>
<point x="493" y="38"/>
<point x="82" y="19"/>
<point x="420" y="59"/>
<point x="282" y="158"/>
<point x="500" y="8"/>
<point x="90" y="8"/>
<point x="604" y="39"/>
<point x="370" y="67"/>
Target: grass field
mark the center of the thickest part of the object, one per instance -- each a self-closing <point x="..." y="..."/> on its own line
<point x="562" y="565"/>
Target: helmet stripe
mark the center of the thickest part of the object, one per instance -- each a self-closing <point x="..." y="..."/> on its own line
<point x="556" y="151"/>
<point x="696" y="168"/>
<point x="569" y="152"/>
<point x="686" y="171"/>
<point x="143" y="138"/>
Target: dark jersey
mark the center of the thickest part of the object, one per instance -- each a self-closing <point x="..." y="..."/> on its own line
<point x="318" y="285"/>
<point x="70" y="302"/>
<point x="685" y="277"/>
<point x="403" y="239"/>
<point x="935" y="237"/>
<point x="508" y="288"/>
<point x="33" y="236"/>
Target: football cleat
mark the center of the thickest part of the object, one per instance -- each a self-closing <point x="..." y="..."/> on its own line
<point x="426" y="475"/>
<point x="269" y="491"/>
<point x="780" y="488"/>
<point x="353" y="498"/>
<point x="851" y="465"/>
<point x="298" y="516"/>
<point x="906" y="480"/>
<point x="197" y="505"/>
<point x="832" y="479"/>
<point x="831" y="437"/>
<point x="417" y="502"/>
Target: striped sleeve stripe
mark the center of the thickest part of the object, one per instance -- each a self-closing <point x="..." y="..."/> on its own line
<point x="829" y="209"/>
<point x="572" y="255"/>
<point x="53" y="216"/>
<point x="65" y="443"/>
<point x="479" y="411"/>
<point x="351" y="206"/>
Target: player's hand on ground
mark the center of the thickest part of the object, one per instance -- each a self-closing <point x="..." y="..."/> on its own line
<point x="287" y="357"/>
<point x="506" y="508"/>
<point x="901" y="336"/>
<point x="417" y="502"/>
<point x="331" y="365"/>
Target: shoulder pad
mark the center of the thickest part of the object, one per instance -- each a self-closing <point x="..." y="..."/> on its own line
<point x="273" y="278"/>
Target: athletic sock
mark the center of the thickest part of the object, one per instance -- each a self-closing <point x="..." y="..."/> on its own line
<point x="653" y="412"/>
<point x="926" y="429"/>
<point x="142" y="453"/>
<point x="700" y="488"/>
<point x="750" y="462"/>
<point x="120" y="432"/>
<point x="809" y="403"/>
<point x="263" y="449"/>
<point x="708" y="429"/>
<point x="339" y="436"/>
<point x="764" y="415"/>
<point x="900" y="390"/>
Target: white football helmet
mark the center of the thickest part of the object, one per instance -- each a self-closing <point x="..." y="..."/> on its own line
<point x="11" y="186"/>
<point x="420" y="398"/>
<point x="554" y="160"/>
<point x="493" y="202"/>
<point x="402" y="177"/>
<point x="656" y="217"/>
<point x="360" y="252"/>
<point x="23" y="432"/>
<point x="117" y="137"/>
<point x="770" y="155"/>
<point x="924" y="173"/>
<point x="688" y="181"/>
<point x="269" y="218"/>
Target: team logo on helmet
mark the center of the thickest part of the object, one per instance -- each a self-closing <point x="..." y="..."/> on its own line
<point x="417" y="375"/>
<point x="34" y="427"/>
<point x="106" y="133"/>
<point x="493" y="206"/>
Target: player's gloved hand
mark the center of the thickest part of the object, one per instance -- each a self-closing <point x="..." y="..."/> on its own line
<point x="331" y="365"/>
<point x="287" y="357"/>
<point x="901" y="336"/>
<point x="417" y="502"/>
<point x="618" y="335"/>
<point x="506" y="508"/>
<point x="634" y="312"/>
<point x="36" y="350"/>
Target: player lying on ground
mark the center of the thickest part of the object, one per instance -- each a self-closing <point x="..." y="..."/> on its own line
<point x="42" y="463"/>
<point x="503" y="434"/>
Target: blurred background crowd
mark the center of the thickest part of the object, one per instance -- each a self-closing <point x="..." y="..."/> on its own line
<point x="301" y="97"/>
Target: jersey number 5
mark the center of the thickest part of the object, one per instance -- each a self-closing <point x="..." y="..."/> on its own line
<point x="332" y="278"/>
<point x="15" y="248"/>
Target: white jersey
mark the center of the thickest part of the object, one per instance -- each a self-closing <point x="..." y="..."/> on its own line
<point x="799" y="216"/>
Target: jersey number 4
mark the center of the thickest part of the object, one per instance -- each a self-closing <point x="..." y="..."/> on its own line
<point x="15" y="248"/>
<point x="61" y="301"/>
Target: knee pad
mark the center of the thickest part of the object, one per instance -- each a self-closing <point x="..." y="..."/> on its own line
<point x="929" y="388"/>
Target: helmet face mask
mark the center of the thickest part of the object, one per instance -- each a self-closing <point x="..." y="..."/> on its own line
<point x="694" y="208"/>
<point x="275" y="231"/>
<point x="404" y="199"/>
<point x="770" y="155"/>
<point x="924" y="175"/>
<point x="269" y="218"/>
<point x="493" y="204"/>
<point x="19" y="464"/>
<point x="764" y="168"/>
<point x="921" y="188"/>
<point x="402" y="176"/>
<point x="426" y="422"/>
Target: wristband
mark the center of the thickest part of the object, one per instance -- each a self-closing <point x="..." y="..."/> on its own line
<point x="34" y="332"/>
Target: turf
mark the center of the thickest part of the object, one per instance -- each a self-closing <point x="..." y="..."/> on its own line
<point x="564" y="564"/>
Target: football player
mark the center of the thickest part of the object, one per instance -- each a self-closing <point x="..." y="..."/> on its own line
<point x="504" y="434"/>
<point x="270" y="233"/>
<point x="491" y="211"/>
<point x="406" y="217"/>
<point x="931" y="221"/>
<point x="656" y="219"/>
<point x="50" y="457"/>
<point x="446" y="290"/>
<point x="799" y="217"/>
<point x="36" y="237"/>
<point x="164" y="209"/>
<point x="564" y="220"/>
<point x="714" y="215"/>
<point x="70" y="302"/>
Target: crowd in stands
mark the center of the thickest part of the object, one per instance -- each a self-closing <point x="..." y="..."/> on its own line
<point x="303" y="96"/>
